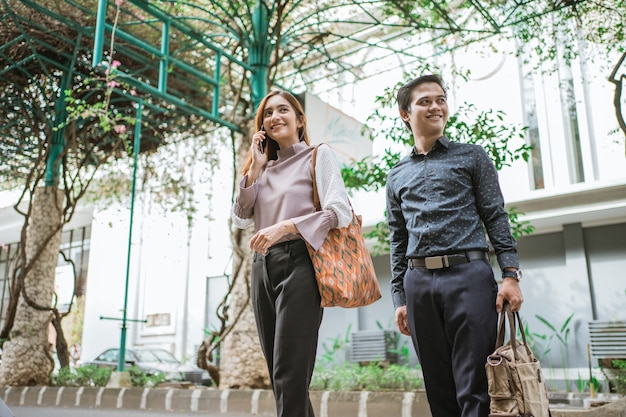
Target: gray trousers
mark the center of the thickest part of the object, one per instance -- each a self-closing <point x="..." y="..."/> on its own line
<point x="453" y="321"/>
<point x="288" y="315"/>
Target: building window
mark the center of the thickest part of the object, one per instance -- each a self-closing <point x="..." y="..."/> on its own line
<point x="571" y="126"/>
<point x="7" y="254"/>
<point x="75" y="245"/>
<point x="529" y="100"/>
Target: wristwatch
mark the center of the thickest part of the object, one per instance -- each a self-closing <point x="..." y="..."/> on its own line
<point x="515" y="273"/>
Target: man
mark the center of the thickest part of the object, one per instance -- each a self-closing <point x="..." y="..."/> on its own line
<point x="443" y="288"/>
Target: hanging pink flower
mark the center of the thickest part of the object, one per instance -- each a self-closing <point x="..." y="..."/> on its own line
<point x="118" y="3"/>
<point x="113" y="84"/>
<point x="115" y="63"/>
<point x="119" y="129"/>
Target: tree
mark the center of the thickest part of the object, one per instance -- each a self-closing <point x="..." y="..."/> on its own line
<point x="62" y="120"/>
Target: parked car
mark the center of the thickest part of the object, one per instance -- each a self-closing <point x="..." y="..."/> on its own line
<point x="153" y="361"/>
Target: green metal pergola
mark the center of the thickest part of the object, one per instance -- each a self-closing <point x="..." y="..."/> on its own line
<point x="173" y="55"/>
<point x="175" y="52"/>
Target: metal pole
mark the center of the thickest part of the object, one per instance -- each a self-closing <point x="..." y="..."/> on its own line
<point x="98" y="41"/>
<point x="165" y="54"/>
<point x="53" y="162"/>
<point x="260" y="50"/>
<point x="122" y="356"/>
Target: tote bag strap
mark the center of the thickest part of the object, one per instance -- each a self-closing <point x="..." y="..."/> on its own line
<point x="501" y="327"/>
<point x="514" y="322"/>
<point x="316" y="197"/>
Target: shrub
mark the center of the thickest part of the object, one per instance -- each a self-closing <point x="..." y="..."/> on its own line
<point x="88" y="375"/>
<point x="373" y="377"/>
<point x="620" y="376"/>
<point x="96" y="376"/>
<point x="139" y="378"/>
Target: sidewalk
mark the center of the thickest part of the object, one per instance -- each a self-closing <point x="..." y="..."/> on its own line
<point x="254" y="402"/>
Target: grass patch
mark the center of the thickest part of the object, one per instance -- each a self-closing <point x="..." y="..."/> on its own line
<point x="96" y="376"/>
<point x="373" y="377"/>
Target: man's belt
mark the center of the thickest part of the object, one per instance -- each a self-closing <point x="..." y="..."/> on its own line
<point x="444" y="261"/>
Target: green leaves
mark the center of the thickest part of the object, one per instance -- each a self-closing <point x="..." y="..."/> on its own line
<point x="370" y="174"/>
<point x="92" y="101"/>
<point x="519" y="227"/>
<point x="588" y="30"/>
<point x="88" y="375"/>
<point x="562" y="335"/>
<point x="488" y="129"/>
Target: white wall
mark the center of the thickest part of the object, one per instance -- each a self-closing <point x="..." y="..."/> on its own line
<point x="158" y="273"/>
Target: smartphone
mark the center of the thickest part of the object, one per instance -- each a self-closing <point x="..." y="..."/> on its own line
<point x="262" y="145"/>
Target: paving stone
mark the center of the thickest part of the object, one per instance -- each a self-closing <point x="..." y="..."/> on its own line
<point x="181" y="399"/>
<point x="132" y="398"/>
<point x="109" y="397"/>
<point x="239" y="401"/>
<point x="157" y="398"/>
<point x="209" y="399"/>
<point x="48" y="397"/>
<point x="68" y="396"/>
<point x="87" y="397"/>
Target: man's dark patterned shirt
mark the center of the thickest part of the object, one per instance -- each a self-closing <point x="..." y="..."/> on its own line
<point x="437" y="204"/>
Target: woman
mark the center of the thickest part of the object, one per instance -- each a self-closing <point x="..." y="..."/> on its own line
<point x="276" y="195"/>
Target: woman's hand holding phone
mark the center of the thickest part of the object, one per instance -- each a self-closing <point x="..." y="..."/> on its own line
<point x="259" y="159"/>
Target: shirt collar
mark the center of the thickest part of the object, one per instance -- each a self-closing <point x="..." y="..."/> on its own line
<point x="443" y="141"/>
<point x="287" y="153"/>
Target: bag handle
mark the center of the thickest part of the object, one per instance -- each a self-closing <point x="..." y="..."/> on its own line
<point x="316" y="197"/>
<point x="514" y="322"/>
<point x="501" y="324"/>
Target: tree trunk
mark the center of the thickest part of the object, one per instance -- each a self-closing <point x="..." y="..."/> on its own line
<point x="26" y="357"/>
<point x="242" y="364"/>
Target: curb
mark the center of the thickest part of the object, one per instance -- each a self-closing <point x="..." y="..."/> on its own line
<point x="254" y="402"/>
<point x="226" y="401"/>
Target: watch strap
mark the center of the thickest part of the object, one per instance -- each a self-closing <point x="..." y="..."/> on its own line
<point x="511" y="274"/>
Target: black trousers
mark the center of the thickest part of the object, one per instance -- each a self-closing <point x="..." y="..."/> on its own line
<point x="453" y="321"/>
<point x="288" y="315"/>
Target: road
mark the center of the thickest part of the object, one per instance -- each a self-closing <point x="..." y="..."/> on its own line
<point x="107" y="412"/>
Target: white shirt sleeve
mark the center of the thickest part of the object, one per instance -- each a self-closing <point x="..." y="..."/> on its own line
<point x="241" y="214"/>
<point x="330" y="186"/>
<point x="241" y="223"/>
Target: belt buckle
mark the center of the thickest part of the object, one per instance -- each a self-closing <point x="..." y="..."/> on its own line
<point x="435" y="262"/>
